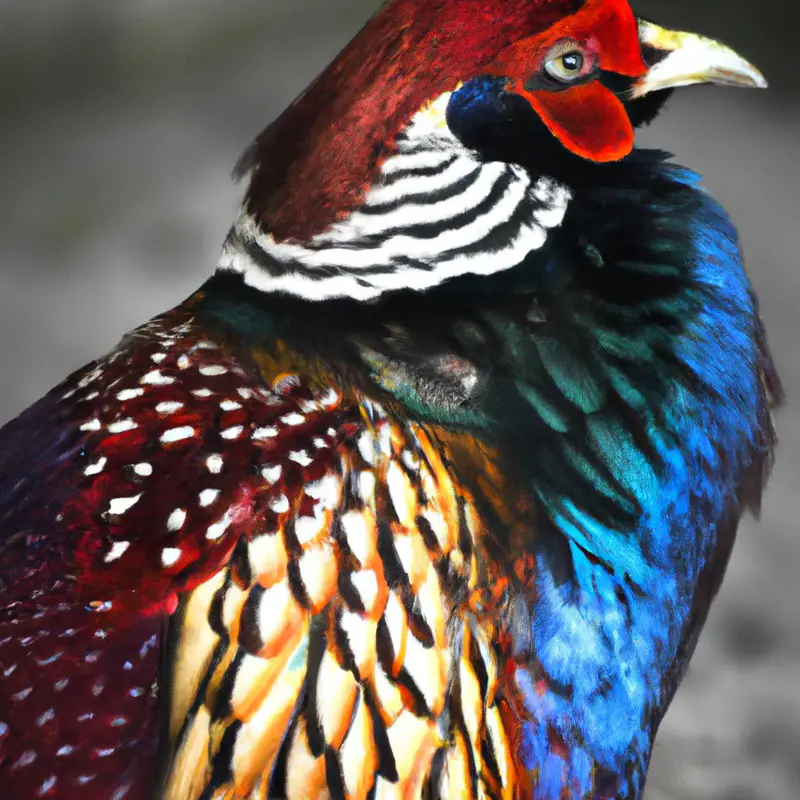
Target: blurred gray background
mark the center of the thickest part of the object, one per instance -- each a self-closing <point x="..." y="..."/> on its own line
<point x="120" y="121"/>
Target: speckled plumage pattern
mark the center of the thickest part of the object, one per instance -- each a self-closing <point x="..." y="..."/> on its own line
<point x="326" y="577"/>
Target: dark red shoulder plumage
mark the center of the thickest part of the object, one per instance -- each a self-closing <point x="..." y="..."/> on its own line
<point x="195" y="551"/>
<point x="130" y="482"/>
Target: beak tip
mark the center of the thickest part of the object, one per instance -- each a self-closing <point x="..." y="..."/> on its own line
<point x="749" y="78"/>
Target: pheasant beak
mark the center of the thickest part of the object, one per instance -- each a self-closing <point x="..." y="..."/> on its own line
<point x="682" y="59"/>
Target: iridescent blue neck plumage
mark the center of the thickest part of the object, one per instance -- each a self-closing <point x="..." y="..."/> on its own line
<point x="687" y="446"/>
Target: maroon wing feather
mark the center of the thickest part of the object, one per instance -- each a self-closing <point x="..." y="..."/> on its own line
<point x="127" y="484"/>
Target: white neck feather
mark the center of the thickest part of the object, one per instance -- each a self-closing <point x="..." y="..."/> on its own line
<point x="438" y="212"/>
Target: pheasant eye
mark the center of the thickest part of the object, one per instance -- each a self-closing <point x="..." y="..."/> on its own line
<point x="572" y="62"/>
<point x="566" y="63"/>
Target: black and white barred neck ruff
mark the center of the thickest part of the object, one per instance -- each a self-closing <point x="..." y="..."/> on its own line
<point x="437" y="212"/>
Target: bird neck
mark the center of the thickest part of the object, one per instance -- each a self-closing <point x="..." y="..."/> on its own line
<point x="437" y="211"/>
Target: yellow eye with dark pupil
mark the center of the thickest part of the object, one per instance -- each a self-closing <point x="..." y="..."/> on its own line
<point x="565" y="68"/>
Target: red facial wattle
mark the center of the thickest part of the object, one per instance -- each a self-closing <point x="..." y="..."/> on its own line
<point x="587" y="118"/>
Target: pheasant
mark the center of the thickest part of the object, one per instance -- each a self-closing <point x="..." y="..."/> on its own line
<point x="426" y="492"/>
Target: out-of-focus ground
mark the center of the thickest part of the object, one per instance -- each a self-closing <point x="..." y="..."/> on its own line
<point x="119" y="124"/>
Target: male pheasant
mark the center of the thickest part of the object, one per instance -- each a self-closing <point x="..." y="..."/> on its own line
<point x="427" y="491"/>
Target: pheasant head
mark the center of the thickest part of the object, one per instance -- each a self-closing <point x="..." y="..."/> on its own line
<point x="426" y="94"/>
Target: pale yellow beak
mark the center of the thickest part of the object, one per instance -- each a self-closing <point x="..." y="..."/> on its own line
<point x="692" y="59"/>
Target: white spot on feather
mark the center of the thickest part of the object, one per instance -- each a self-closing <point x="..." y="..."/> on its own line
<point x="232" y="433"/>
<point x="267" y="432"/>
<point x="169" y="407"/>
<point x="218" y="529"/>
<point x="293" y="419"/>
<point x="212" y="370"/>
<point x="26" y="759"/>
<point x="90" y="377"/>
<point x="359" y="634"/>
<point x="280" y="504"/>
<point x="214" y="464"/>
<point x="177" y="434"/>
<point x="230" y="405"/>
<point x="122" y="426"/>
<point x="155" y="378"/>
<point x="117" y="550"/>
<point x="330" y="398"/>
<point x="144" y="469"/>
<point x="129" y="394"/>
<point x="170" y="556"/>
<point x="97" y="467"/>
<point x="176" y="519"/>
<point x="207" y="497"/>
<point x="47" y="785"/>
<point x="119" y="505"/>
<point x="300" y="457"/>
<point x="92" y="425"/>
<point x="410" y="460"/>
<point x="45" y="717"/>
<point x="272" y="473"/>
